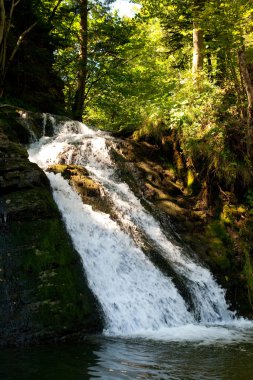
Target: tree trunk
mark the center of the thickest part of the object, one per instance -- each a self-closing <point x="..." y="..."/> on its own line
<point x="209" y="66"/>
<point x="198" y="37"/>
<point x="221" y="67"/>
<point x="238" y="86"/>
<point x="78" y="106"/>
<point x="2" y="43"/>
<point x="2" y="20"/>
<point x="249" y="91"/>
<point x="198" y="48"/>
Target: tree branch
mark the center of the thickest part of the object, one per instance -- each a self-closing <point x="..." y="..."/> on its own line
<point x="28" y="30"/>
<point x="15" y="4"/>
<point x="19" y="42"/>
<point x="118" y="63"/>
<point x="54" y="10"/>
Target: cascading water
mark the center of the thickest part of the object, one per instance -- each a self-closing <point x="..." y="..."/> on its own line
<point x="133" y="293"/>
<point x="135" y="296"/>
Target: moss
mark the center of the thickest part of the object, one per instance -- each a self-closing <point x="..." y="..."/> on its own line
<point x="51" y="272"/>
<point x="231" y="213"/>
<point x="217" y="229"/>
<point x="219" y="244"/>
<point x="67" y="171"/>
<point x="30" y="204"/>
<point x="248" y="273"/>
<point x="79" y="179"/>
<point x="190" y="178"/>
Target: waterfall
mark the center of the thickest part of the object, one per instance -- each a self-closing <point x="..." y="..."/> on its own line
<point x="135" y="296"/>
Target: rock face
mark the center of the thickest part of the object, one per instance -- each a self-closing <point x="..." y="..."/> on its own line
<point x="221" y="236"/>
<point x="43" y="291"/>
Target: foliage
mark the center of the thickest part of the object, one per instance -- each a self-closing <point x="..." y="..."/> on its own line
<point x="248" y="273"/>
<point x="204" y="121"/>
<point x="249" y="200"/>
<point x="139" y="79"/>
<point x="133" y="94"/>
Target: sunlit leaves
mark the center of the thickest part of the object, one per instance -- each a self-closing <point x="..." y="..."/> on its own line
<point x="135" y="91"/>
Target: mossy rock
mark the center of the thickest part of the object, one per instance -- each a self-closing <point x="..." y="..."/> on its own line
<point x="43" y="290"/>
<point x="13" y="125"/>
<point x="51" y="272"/>
<point x="68" y="171"/>
<point x="86" y="187"/>
<point x="219" y="245"/>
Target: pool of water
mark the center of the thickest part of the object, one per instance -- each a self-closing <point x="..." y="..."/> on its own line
<point x="115" y="359"/>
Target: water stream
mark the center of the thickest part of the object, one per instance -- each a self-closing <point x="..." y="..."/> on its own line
<point x="121" y="359"/>
<point x="137" y="299"/>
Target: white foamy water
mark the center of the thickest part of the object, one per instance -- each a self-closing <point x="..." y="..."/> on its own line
<point x="208" y="298"/>
<point x="137" y="299"/>
<point x="134" y="295"/>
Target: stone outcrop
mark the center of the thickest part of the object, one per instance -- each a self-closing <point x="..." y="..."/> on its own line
<point x="78" y="177"/>
<point x="43" y="291"/>
<point x="221" y="236"/>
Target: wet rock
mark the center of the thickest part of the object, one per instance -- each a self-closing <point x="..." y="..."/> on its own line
<point x="43" y="292"/>
<point x="90" y="191"/>
<point x="221" y="236"/>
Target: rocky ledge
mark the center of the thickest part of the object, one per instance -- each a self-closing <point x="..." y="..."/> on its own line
<point x="44" y="294"/>
<point x="220" y="233"/>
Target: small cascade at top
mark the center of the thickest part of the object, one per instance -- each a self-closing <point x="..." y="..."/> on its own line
<point x="135" y="296"/>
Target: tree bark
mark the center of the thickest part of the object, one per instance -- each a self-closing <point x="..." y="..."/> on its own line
<point x="2" y="44"/>
<point x="2" y="20"/>
<point x="198" y="49"/>
<point x="78" y="106"/>
<point x="249" y="91"/>
<point x="198" y="37"/>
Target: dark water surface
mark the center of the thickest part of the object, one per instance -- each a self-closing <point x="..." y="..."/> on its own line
<point x="116" y="359"/>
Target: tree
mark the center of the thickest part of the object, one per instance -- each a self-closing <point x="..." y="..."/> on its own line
<point x="180" y="20"/>
<point x="93" y="41"/>
<point x="133" y="94"/>
<point x="231" y="24"/>
<point x="9" y="50"/>
<point x="78" y="105"/>
<point x="198" y="38"/>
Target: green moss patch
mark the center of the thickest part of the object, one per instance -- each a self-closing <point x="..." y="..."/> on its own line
<point x="51" y="274"/>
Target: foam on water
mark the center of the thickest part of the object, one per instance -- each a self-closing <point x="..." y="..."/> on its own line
<point x="201" y="334"/>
